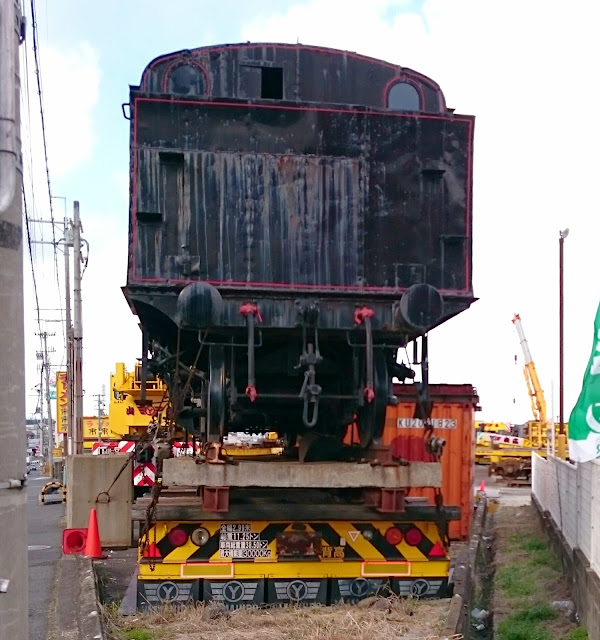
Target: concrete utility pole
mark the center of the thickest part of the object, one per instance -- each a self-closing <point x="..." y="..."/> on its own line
<point x="77" y="333"/>
<point x="43" y="439"/>
<point x="14" y="599"/>
<point x="46" y="367"/>
<point x="68" y="242"/>
<point x="40" y="425"/>
<point x="100" y="406"/>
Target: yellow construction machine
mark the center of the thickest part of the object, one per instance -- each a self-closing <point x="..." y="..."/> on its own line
<point x="510" y="455"/>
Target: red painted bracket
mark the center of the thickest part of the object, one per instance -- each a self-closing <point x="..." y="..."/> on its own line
<point x="215" y="499"/>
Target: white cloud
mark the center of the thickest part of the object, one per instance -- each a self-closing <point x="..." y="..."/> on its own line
<point x="70" y="84"/>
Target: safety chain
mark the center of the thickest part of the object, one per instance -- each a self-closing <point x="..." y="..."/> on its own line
<point x="138" y="446"/>
<point x="146" y="545"/>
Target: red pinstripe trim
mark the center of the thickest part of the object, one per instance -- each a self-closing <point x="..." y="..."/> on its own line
<point x="288" y="285"/>
<point x="282" y="107"/>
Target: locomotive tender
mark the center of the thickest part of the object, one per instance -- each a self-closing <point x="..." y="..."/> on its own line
<point x="297" y="214"/>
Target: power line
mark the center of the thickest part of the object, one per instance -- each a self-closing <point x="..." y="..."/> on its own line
<point x="28" y="105"/>
<point x="35" y="291"/>
<point x="45" y="145"/>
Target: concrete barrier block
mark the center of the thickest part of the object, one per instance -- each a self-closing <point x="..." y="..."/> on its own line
<point x="89" y="480"/>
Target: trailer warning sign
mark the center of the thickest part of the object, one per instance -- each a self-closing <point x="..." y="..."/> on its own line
<point x="239" y="541"/>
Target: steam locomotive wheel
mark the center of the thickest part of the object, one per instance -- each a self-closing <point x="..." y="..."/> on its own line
<point x="371" y="416"/>
<point x="215" y="418"/>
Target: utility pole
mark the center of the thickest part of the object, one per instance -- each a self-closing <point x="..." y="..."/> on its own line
<point x="77" y="333"/>
<point x="68" y="242"/>
<point x="46" y="368"/>
<point x="100" y="406"/>
<point x="43" y="448"/>
<point x="14" y="599"/>
<point x="40" y="425"/>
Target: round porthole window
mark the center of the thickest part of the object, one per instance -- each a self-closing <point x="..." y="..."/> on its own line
<point x="187" y="80"/>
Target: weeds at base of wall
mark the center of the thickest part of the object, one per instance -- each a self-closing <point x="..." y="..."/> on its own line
<point x="484" y="581"/>
<point x="528" y="578"/>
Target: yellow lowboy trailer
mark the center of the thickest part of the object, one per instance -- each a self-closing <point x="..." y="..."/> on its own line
<point x="293" y="544"/>
<point x="274" y="562"/>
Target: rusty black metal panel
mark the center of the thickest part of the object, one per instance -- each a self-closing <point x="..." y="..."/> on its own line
<point x="300" y="197"/>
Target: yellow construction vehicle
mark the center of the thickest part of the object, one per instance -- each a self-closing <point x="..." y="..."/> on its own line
<point x="539" y="429"/>
<point x="510" y="456"/>
<point x="489" y="436"/>
<point x="491" y="427"/>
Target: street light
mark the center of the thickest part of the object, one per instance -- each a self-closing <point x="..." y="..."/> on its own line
<point x="561" y="440"/>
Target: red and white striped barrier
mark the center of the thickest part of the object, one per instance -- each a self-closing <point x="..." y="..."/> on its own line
<point x="144" y="474"/>
<point x="102" y="448"/>
<point x="180" y="449"/>
<point x="126" y="446"/>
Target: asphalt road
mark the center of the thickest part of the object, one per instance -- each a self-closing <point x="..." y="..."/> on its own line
<point x="45" y="547"/>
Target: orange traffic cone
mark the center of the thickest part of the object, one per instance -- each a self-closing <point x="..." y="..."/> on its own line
<point x="482" y="487"/>
<point x="92" y="544"/>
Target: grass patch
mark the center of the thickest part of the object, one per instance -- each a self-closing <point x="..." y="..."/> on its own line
<point x="544" y="558"/>
<point x="512" y="628"/>
<point x="577" y="634"/>
<point x="537" y="613"/>
<point x="516" y="580"/>
<point x="138" y="634"/>
<point x="534" y="544"/>
<point x="528" y="577"/>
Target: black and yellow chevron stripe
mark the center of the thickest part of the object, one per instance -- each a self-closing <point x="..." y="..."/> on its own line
<point x="341" y="541"/>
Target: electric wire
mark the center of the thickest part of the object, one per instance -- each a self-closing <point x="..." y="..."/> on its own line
<point x="35" y="290"/>
<point x="45" y="144"/>
<point x="29" y="171"/>
<point x="28" y="158"/>
<point x="31" y="216"/>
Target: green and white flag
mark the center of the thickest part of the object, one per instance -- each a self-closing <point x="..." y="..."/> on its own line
<point x="584" y="423"/>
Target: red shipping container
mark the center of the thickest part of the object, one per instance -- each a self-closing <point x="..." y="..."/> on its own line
<point x="453" y="418"/>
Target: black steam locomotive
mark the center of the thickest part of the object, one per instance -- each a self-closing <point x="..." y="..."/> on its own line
<point x="297" y="214"/>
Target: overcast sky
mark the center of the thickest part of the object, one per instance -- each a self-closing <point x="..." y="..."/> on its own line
<point x="527" y="69"/>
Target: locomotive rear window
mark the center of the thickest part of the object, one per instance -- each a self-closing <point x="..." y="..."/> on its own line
<point x="187" y="80"/>
<point x="403" y="97"/>
<point x="271" y="83"/>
